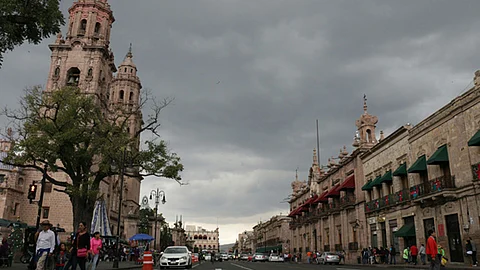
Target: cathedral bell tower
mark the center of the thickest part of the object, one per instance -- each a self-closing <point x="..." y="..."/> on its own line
<point x="83" y="58"/>
<point x="366" y="125"/>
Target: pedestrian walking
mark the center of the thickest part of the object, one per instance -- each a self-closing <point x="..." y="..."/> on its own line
<point x="61" y="257"/>
<point x="95" y="247"/>
<point x="212" y="257"/>
<point x="432" y="251"/>
<point x="421" y="252"/>
<point x="468" y="248"/>
<point x="393" y="255"/>
<point x="414" y="253"/>
<point x="406" y="254"/>
<point x="474" y="251"/>
<point x="45" y="245"/>
<point x="81" y="246"/>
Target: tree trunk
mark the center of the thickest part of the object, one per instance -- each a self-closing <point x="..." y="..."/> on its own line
<point x="82" y="208"/>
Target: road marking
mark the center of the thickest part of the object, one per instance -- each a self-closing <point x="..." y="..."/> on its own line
<point x="195" y="265"/>
<point x="240" y="266"/>
<point x="348" y="269"/>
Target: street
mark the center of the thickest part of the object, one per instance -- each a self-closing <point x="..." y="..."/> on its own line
<point x="236" y="265"/>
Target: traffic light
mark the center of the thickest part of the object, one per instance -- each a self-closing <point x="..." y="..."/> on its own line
<point x="32" y="192"/>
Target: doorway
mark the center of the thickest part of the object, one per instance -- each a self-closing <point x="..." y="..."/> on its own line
<point x="373" y="233"/>
<point x="383" y="230"/>
<point x="428" y="224"/>
<point x="454" y="238"/>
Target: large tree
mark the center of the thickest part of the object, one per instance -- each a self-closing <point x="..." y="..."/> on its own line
<point x="84" y="137"/>
<point x="27" y="20"/>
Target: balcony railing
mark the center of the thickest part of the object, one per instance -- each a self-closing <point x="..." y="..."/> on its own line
<point x="347" y="200"/>
<point x="388" y="201"/>
<point x="353" y="246"/>
<point x="432" y="186"/>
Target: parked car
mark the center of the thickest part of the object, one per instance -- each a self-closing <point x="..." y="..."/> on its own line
<point x="176" y="256"/>
<point x="207" y="257"/>
<point x="243" y="257"/>
<point x="276" y="258"/>
<point x="224" y="256"/>
<point x="329" y="257"/>
<point x="258" y="257"/>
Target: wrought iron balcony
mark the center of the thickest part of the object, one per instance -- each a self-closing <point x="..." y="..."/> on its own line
<point x="347" y="200"/>
<point x="433" y="186"/>
<point x="388" y="201"/>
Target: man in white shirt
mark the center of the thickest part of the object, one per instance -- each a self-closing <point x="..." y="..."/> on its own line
<point x="45" y="244"/>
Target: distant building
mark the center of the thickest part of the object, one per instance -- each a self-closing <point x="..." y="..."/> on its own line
<point x="245" y="242"/>
<point x="272" y="235"/>
<point x="203" y="239"/>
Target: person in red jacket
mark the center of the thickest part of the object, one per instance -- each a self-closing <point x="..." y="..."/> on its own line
<point x="432" y="251"/>
<point x="414" y="253"/>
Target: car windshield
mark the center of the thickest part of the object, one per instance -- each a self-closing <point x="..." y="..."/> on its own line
<point x="329" y="253"/>
<point x="175" y="250"/>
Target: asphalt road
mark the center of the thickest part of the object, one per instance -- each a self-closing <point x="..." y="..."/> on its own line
<point x="235" y="265"/>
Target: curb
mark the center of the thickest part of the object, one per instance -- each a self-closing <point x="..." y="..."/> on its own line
<point x="456" y="267"/>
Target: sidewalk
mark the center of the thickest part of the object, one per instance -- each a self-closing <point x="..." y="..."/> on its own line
<point x="459" y="266"/>
<point x="101" y="266"/>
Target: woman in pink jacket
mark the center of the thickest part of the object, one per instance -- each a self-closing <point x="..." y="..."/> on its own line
<point x="95" y="247"/>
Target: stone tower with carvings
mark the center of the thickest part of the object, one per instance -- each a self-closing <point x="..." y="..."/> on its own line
<point x="83" y="58"/>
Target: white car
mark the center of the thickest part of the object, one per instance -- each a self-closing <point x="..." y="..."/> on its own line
<point x="176" y="256"/>
<point x="329" y="257"/>
<point x="207" y="257"/>
<point x="258" y="257"/>
<point x="276" y="258"/>
<point x="224" y="256"/>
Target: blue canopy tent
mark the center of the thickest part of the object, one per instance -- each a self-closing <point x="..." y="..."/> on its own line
<point x="141" y="237"/>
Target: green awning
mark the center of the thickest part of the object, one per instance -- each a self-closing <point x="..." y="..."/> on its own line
<point x="400" y="171"/>
<point x="440" y="156"/>
<point x="475" y="140"/>
<point x="387" y="177"/>
<point x="377" y="181"/>
<point x="407" y="230"/>
<point x="419" y="166"/>
<point x="368" y="185"/>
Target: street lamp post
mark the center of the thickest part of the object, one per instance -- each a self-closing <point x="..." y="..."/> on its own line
<point x="122" y="171"/>
<point x="157" y="193"/>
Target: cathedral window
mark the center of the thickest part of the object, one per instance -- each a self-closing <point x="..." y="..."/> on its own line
<point x="125" y="70"/>
<point x="121" y="95"/>
<point x="131" y="96"/>
<point x="57" y="72"/>
<point x="369" y="135"/>
<point x="98" y="26"/>
<point x="73" y="76"/>
<point x="83" y="27"/>
<point x="20" y="181"/>
<point x="131" y="70"/>
<point x="90" y="72"/>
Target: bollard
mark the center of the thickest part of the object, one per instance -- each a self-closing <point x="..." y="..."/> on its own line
<point x="147" y="261"/>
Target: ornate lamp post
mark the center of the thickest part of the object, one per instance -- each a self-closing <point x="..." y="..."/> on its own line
<point x="157" y="194"/>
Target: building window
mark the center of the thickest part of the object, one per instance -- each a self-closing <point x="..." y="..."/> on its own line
<point x="2" y="178"/>
<point x="83" y="27"/>
<point x="45" y="212"/>
<point x="73" y="76"/>
<point x="125" y="70"/>
<point x="90" y="72"/>
<point x="57" y="72"/>
<point x="131" y="96"/>
<point x="131" y="70"/>
<point x="20" y="181"/>
<point x="15" y="209"/>
<point x="48" y="187"/>
<point x="121" y="94"/>
<point x="98" y="26"/>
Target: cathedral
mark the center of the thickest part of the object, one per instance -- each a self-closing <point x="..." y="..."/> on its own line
<point x="82" y="58"/>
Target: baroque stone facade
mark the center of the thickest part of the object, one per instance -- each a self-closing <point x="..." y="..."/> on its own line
<point x="83" y="59"/>
<point x="418" y="178"/>
<point x="245" y="242"/>
<point x="272" y="235"/>
<point x="203" y="239"/>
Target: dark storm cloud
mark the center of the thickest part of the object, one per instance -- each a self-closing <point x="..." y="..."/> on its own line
<point x="251" y="77"/>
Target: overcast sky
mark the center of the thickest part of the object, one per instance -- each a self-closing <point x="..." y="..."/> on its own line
<point x="250" y="77"/>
